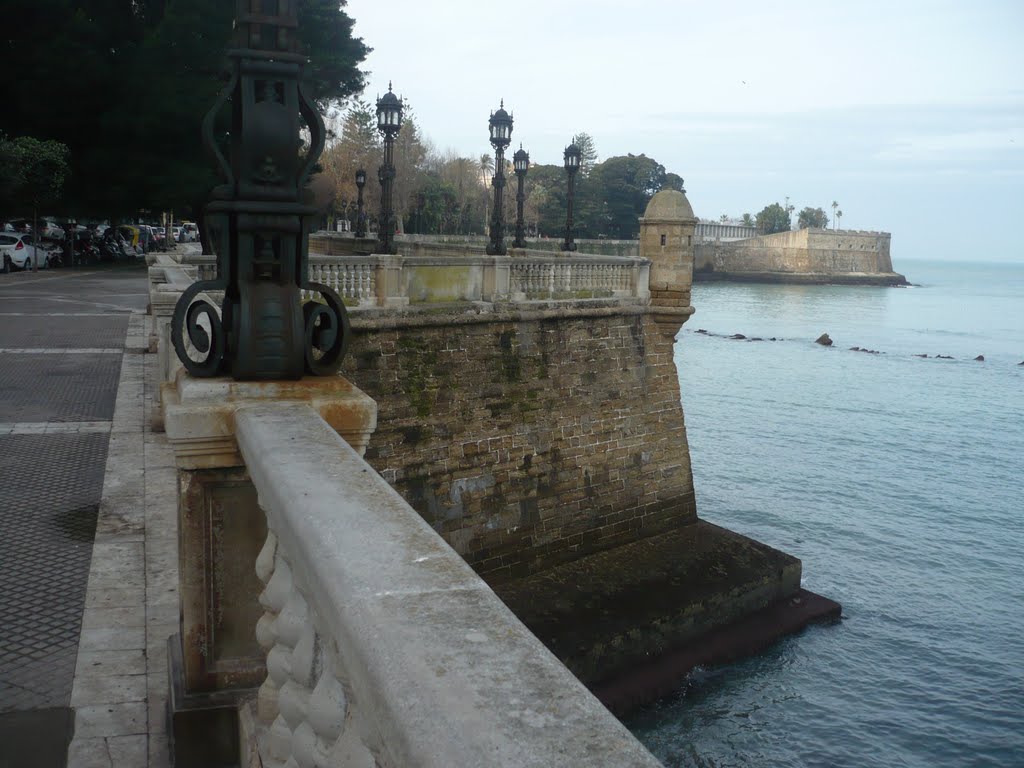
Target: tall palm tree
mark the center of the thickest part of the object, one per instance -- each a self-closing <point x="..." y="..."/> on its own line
<point x="486" y="168"/>
<point x="834" y="206"/>
<point x="839" y="215"/>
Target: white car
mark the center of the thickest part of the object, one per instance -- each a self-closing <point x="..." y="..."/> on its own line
<point x="19" y="252"/>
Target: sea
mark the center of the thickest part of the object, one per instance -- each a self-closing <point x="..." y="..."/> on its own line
<point x="898" y="480"/>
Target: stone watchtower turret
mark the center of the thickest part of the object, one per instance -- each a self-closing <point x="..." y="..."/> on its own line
<point x="666" y="239"/>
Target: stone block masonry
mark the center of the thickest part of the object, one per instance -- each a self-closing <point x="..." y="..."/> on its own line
<point x="529" y="443"/>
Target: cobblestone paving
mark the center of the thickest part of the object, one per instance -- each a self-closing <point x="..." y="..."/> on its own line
<point x="58" y="385"/>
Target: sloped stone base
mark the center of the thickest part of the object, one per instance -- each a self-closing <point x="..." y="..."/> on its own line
<point x="632" y="621"/>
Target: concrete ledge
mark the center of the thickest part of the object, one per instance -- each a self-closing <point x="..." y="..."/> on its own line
<point x="801" y="278"/>
<point x="439" y="672"/>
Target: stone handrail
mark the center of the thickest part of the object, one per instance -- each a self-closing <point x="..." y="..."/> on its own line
<point x="383" y="646"/>
<point x="432" y="273"/>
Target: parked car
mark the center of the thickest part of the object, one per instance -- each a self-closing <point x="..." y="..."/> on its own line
<point x="49" y="229"/>
<point x="176" y="234"/>
<point x="19" y="252"/>
<point x="189" y="232"/>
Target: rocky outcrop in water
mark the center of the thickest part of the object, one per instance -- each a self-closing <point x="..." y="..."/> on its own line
<point x="824" y="340"/>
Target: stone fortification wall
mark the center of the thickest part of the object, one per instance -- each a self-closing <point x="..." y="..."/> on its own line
<point x="805" y="255"/>
<point x="530" y="442"/>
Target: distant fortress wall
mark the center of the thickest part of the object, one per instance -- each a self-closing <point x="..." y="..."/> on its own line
<point x="803" y="255"/>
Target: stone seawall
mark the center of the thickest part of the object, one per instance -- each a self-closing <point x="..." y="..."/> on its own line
<point x="529" y="443"/>
<point x="801" y="256"/>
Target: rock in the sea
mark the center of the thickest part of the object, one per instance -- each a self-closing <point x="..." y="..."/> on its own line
<point x="980" y="358"/>
<point x="737" y="336"/>
<point x="756" y="338"/>
<point x="1021" y="362"/>
<point x="943" y="357"/>
<point x="824" y="340"/>
<point x="855" y="349"/>
<point x="920" y="355"/>
<point x="701" y="330"/>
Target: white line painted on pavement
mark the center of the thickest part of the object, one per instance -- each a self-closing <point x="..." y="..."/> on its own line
<point x="61" y="351"/>
<point x="54" y="427"/>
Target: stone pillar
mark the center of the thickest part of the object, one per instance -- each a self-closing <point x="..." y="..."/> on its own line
<point x="666" y="239"/>
<point x="221" y="525"/>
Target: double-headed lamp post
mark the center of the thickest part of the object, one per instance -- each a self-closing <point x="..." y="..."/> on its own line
<point x="572" y="164"/>
<point x="501" y="136"/>
<point x="521" y="164"/>
<point x="389" y="123"/>
<point x="360" y="213"/>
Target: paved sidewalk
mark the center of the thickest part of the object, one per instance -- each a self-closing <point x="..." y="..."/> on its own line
<point x="88" y="559"/>
<point x="131" y="607"/>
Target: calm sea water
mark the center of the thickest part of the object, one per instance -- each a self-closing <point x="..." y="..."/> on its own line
<point x="899" y="481"/>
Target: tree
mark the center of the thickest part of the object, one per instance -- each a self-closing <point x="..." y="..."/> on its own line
<point x="588" y="152"/>
<point x="835" y="205"/>
<point x="619" y="190"/>
<point x="773" y="218"/>
<point x="748" y="220"/>
<point x="839" y="218"/>
<point x="812" y="218"/>
<point x="673" y="181"/>
<point x="37" y="172"/>
<point x="135" y="80"/>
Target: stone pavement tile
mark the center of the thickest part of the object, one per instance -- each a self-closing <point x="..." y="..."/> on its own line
<point x="112" y="639"/>
<point x="114" y="752"/>
<point x="122" y="597"/>
<point x="93" y="664"/>
<point x="104" y="720"/>
<point x="117" y="578"/>
<point x="159" y="752"/>
<point x="98" y="618"/>
<point x="116" y="689"/>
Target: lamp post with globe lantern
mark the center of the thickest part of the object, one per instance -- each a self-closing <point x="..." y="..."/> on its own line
<point x="360" y="213"/>
<point x="572" y="164"/>
<point x="389" y="123"/>
<point x="521" y="164"/>
<point x="501" y="136"/>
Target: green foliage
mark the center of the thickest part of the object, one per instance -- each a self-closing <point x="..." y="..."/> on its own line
<point x="624" y="186"/>
<point x="588" y="152"/>
<point x="125" y="86"/>
<point x="773" y="218"/>
<point x="812" y="218"/>
<point x="748" y="220"/>
<point x="673" y="181"/>
<point x="32" y="173"/>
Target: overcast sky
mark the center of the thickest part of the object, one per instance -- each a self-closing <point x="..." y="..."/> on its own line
<point x="909" y="113"/>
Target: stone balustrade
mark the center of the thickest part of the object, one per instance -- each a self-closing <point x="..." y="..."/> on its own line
<point x="433" y="273"/>
<point x="383" y="647"/>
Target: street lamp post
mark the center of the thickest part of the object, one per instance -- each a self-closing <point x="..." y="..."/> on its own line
<point x="521" y="164"/>
<point x="259" y="220"/>
<point x="360" y="213"/>
<point x="389" y="123"/>
<point x="501" y="135"/>
<point x="572" y="164"/>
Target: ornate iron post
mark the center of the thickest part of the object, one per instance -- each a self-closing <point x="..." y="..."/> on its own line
<point x="572" y="164"/>
<point x="389" y="123"/>
<point x="501" y="135"/>
<point x="260" y="219"/>
<point x="521" y="164"/>
<point x="360" y="213"/>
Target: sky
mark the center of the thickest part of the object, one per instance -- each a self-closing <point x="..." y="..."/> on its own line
<point x="908" y="113"/>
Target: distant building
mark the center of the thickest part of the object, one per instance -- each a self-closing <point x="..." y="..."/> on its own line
<point x="723" y="231"/>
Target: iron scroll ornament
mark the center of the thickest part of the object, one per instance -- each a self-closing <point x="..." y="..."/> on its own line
<point x="327" y="331"/>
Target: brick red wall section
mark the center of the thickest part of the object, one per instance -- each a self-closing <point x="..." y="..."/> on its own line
<point x="527" y="444"/>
